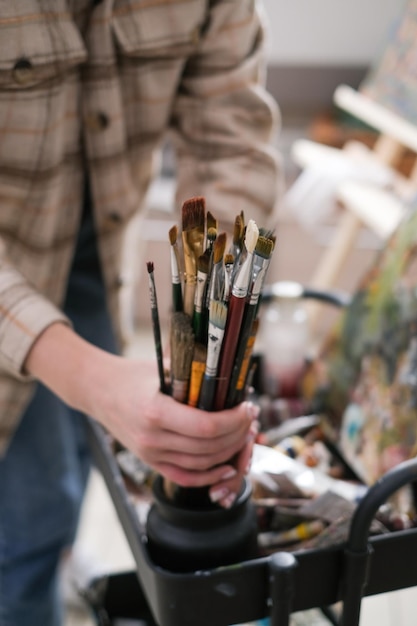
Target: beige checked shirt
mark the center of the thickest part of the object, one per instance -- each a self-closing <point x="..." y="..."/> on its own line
<point x="93" y="86"/>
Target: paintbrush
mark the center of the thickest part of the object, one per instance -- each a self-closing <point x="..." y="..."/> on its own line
<point x="216" y="285"/>
<point x="182" y="351"/>
<point x="211" y="234"/>
<point x="235" y="316"/>
<point x="211" y="222"/>
<point x="237" y="241"/>
<point x="177" y="304"/>
<point x="198" y="367"/>
<point x="229" y="260"/>
<point x="156" y="327"/>
<point x="217" y="324"/>
<point x="200" y="311"/>
<point x="261" y="260"/>
<point x="193" y="220"/>
<point x="246" y="374"/>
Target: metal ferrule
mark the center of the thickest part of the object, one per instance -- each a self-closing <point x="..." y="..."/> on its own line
<point x="242" y="280"/>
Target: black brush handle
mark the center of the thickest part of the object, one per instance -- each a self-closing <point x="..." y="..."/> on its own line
<point x="246" y="327"/>
<point x="177" y="297"/>
<point x="208" y="389"/>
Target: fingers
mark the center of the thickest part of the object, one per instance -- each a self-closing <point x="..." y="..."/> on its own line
<point x="197" y="442"/>
<point x="186" y="478"/>
<point x="199" y="424"/>
<point x="226" y="491"/>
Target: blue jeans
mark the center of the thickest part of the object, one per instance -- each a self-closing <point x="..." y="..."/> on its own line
<point x="44" y="473"/>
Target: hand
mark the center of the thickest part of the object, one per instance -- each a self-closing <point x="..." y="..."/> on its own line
<point x="188" y="446"/>
<point x="226" y="491"/>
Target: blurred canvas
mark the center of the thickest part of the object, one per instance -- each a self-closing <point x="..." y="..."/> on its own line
<point x="392" y="81"/>
<point x="365" y="381"/>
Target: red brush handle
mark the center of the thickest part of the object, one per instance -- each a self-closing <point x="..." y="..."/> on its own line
<point x="229" y="348"/>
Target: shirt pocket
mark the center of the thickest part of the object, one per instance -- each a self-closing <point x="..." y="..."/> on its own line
<point x="36" y="46"/>
<point x="161" y="29"/>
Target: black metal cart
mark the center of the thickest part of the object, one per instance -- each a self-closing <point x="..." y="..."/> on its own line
<point x="273" y="586"/>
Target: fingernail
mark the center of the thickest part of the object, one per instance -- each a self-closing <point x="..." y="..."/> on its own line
<point x="218" y="494"/>
<point x="247" y="468"/>
<point x="253" y="410"/>
<point x="228" y="501"/>
<point x="253" y="431"/>
<point x="230" y="473"/>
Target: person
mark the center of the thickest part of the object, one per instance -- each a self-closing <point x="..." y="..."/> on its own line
<point x="88" y="91"/>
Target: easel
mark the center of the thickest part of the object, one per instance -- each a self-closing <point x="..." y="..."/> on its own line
<point x="364" y="204"/>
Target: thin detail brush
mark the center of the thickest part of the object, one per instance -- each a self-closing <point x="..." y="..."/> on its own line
<point x="217" y="324"/>
<point x="177" y="304"/>
<point x="235" y="316"/>
<point x="156" y="326"/>
<point x="193" y="221"/>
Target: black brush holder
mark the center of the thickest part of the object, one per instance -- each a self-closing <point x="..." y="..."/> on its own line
<point x="186" y="539"/>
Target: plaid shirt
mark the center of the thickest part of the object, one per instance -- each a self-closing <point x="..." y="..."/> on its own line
<point x="94" y="87"/>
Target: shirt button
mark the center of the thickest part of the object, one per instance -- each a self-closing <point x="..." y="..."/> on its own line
<point x="114" y="217"/>
<point x="120" y="282"/>
<point x="23" y="71"/>
<point x="97" y="121"/>
<point x="112" y="220"/>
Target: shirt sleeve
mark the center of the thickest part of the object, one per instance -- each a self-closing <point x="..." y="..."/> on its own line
<point x="224" y="121"/>
<point x="24" y="315"/>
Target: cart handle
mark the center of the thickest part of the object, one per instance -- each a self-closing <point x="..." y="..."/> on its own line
<point x="358" y="552"/>
<point x="393" y="480"/>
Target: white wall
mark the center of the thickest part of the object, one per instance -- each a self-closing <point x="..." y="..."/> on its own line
<point x="329" y="32"/>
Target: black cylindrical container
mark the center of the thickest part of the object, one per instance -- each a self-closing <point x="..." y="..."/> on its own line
<point x="183" y="539"/>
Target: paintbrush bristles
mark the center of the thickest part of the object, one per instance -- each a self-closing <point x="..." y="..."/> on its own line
<point x="182" y="345"/>
<point x="182" y="350"/>
<point x="264" y="247"/>
<point x="238" y="231"/>
<point x="211" y="221"/>
<point x="219" y="248"/>
<point x="211" y="235"/>
<point x="193" y="223"/>
<point x="173" y="234"/>
<point x="251" y="236"/>
<point x="218" y="313"/>
<point x="203" y="262"/>
<point x="193" y="213"/>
